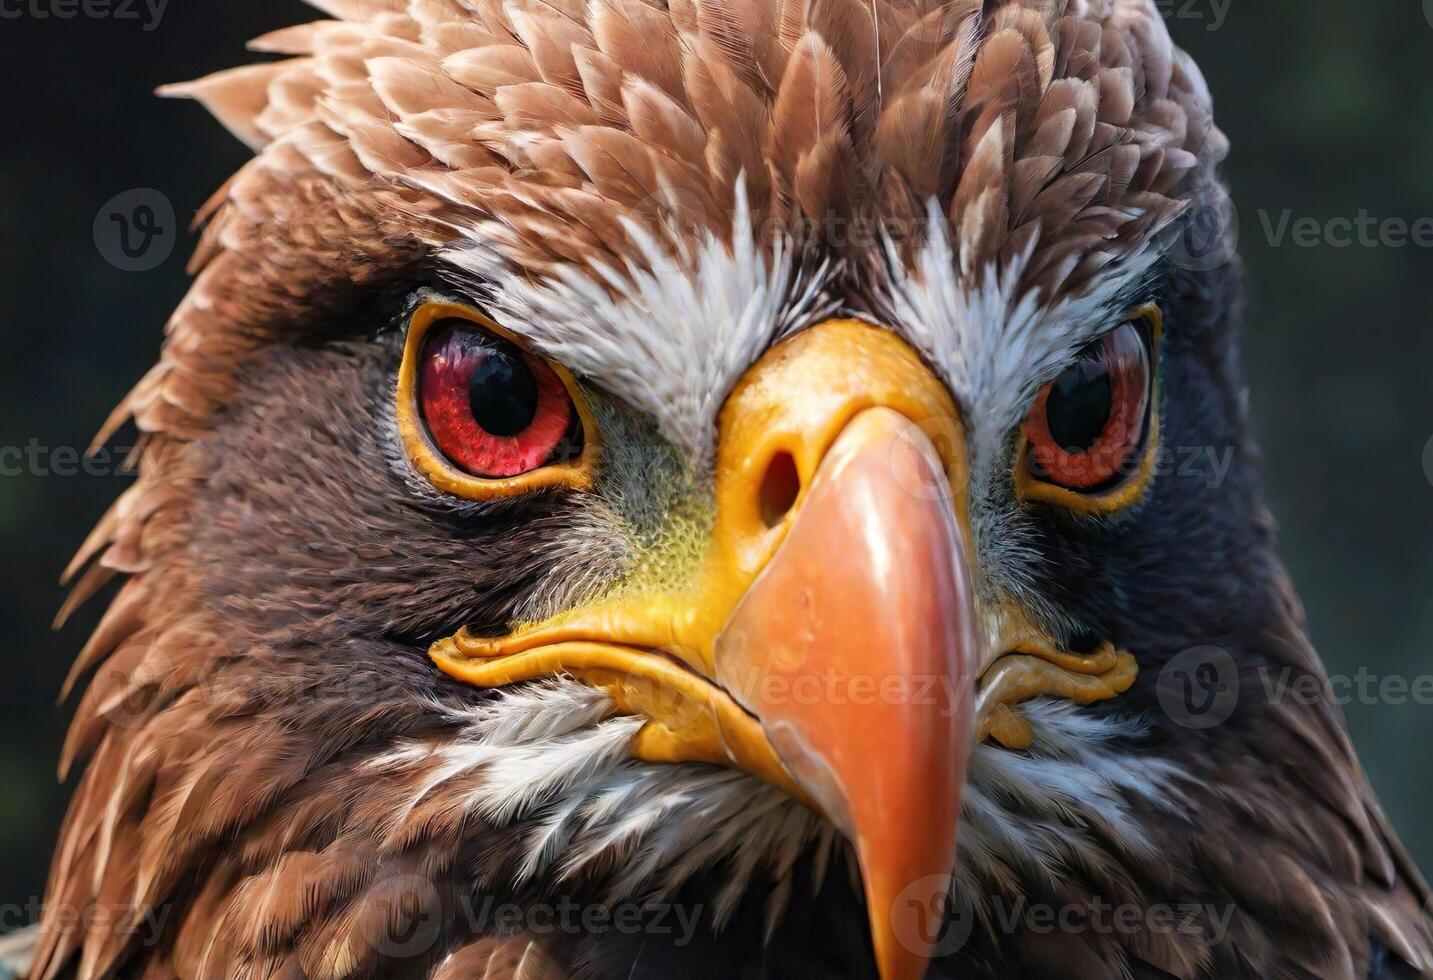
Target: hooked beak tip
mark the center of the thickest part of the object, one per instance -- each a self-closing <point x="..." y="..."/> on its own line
<point x="855" y="648"/>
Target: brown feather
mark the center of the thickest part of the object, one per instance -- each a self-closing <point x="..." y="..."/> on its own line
<point x="1059" y="135"/>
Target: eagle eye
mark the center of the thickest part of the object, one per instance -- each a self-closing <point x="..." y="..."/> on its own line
<point x="1088" y="434"/>
<point x="482" y="416"/>
<point x="494" y="410"/>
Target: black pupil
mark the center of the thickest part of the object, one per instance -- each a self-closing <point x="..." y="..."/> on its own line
<point x="502" y="393"/>
<point x="1079" y="405"/>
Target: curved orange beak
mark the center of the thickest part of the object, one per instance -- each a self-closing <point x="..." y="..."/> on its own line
<point x="826" y="641"/>
<point x="856" y="650"/>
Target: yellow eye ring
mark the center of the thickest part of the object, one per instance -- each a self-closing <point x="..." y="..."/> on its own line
<point x="1131" y="487"/>
<point x="435" y="465"/>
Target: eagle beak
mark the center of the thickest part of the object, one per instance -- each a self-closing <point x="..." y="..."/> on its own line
<point x="826" y="640"/>
<point x="855" y="648"/>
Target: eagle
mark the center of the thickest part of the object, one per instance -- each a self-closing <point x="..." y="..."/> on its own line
<point x="703" y="488"/>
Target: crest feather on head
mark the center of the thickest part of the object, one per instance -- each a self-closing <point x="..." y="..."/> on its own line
<point x="1071" y="130"/>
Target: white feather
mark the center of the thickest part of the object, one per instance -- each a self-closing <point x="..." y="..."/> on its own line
<point x="546" y="757"/>
<point x="668" y="334"/>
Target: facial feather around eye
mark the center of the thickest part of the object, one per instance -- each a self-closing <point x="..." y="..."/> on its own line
<point x="670" y="337"/>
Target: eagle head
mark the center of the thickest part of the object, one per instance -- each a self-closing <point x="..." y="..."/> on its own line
<point x="776" y="460"/>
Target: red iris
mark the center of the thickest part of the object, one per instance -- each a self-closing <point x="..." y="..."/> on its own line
<point x="493" y="409"/>
<point x="1087" y="426"/>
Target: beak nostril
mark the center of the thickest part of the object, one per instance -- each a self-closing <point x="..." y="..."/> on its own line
<point x="779" y="488"/>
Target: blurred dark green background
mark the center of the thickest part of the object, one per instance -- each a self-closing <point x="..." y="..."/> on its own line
<point x="1329" y="106"/>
